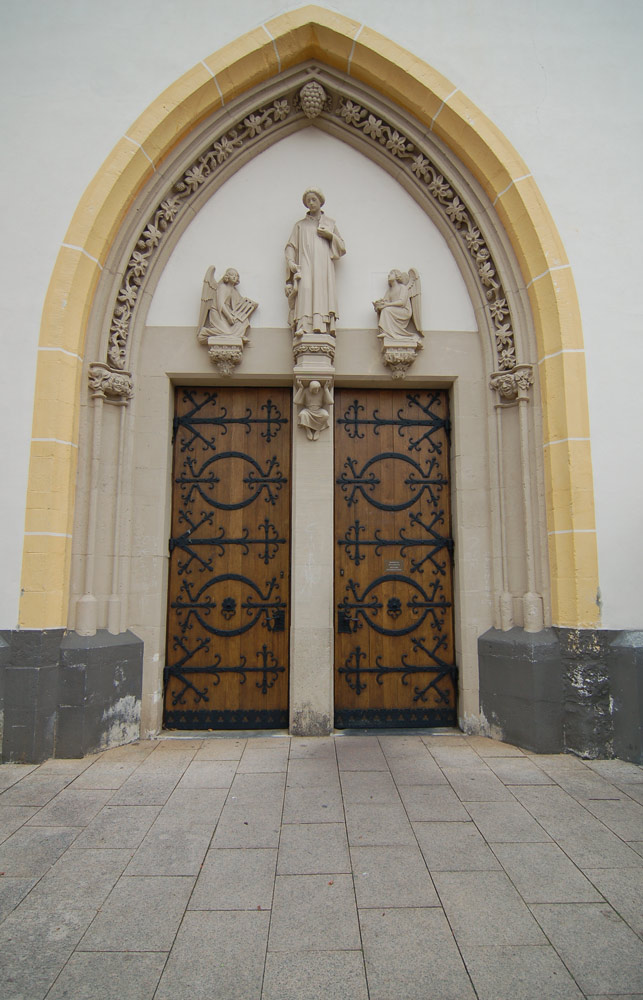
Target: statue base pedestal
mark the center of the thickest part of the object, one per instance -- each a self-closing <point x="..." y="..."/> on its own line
<point x="399" y="356"/>
<point x="314" y="352"/>
<point x="225" y="352"/>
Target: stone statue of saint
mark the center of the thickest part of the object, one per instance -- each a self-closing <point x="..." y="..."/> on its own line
<point x="398" y="307"/>
<point x="313" y="400"/>
<point x="313" y="247"/>
<point x="224" y="311"/>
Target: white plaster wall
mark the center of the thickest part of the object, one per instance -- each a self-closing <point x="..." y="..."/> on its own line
<point x="562" y="81"/>
<point x="247" y="222"/>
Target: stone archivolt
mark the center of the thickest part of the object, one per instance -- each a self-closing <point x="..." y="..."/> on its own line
<point x="297" y="105"/>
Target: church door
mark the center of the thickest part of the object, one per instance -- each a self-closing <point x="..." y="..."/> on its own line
<point x="394" y="651"/>
<point x="228" y="604"/>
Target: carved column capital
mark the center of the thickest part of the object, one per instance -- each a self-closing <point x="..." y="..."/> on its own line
<point x="112" y="385"/>
<point x="512" y="386"/>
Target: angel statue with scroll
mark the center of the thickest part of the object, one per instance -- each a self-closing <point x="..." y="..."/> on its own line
<point x="401" y="304"/>
<point x="224" y="311"/>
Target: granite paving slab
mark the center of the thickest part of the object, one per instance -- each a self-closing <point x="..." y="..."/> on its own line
<point x="314" y="913"/>
<point x="109" y="976"/>
<point x="140" y="914"/>
<point x="391" y="877"/>
<point x="525" y="973"/>
<point x="313" y="848"/>
<point x="235" y="879"/>
<point x="307" y="975"/>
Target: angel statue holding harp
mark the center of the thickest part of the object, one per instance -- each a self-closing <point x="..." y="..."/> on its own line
<point x="224" y="311"/>
<point x="401" y="304"/>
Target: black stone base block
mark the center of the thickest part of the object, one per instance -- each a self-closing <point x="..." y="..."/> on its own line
<point x="576" y="690"/>
<point x="66" y="695"/>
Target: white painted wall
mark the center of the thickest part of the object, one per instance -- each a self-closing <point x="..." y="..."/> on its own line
<point x="561" y="80"/>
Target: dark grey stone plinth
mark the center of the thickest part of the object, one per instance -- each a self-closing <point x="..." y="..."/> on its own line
<point x="99" y="692"/>
<point x="66" y="695"/>
<point x="588" y="725"/>
<point x="30" y="694"/>
<point x="576" y="690"/>
<point x="521" y="687"/>
<point x="626" y="680"/>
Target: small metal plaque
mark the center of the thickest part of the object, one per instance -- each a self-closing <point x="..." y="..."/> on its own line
<point x="394" y="566"/>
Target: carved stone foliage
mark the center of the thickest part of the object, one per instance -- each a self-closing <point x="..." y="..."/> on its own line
<point x="224" y="320"/>
<point x="113" y="386"/>
<point x="310" y="100"/>
<point x="514" y="385"/>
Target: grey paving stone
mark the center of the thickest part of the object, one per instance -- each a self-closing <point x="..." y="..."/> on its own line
<point x="147" y="787"/>
<point x="140" y="914"/>
<point x="232" y="879"/>
<point x="138" y="751"/>
<point x="118" y="826"/>
<point x="313" y="913"/>
<point x="417" y="771"/>
<point x="30" y="980"/>
<point x="220" y="749"/>
<point x="391" y="877"/>
<point x="432" y="803"/>
<point x="542" y="873"/>
<point x="454" y="847"/>
<point x="506" y="822"/>
<point x="458" y="756"/>
<point x="599" y="849"/>
<point x="252" y="813"/>
<point x="410" y="954"/>
<point x="72" y="807"/>
<point x="518" y="771"/>
<point x="377" y="824"/>
<point x="109" y="976"/>
<point x="487" y="747"/>
<point x="360" y="754"/>
<point x="617" y="770"/>
<point x="620" y="815"/>
<point x="444" y="738"/>
<point x="209" y="774"/>
<point x="11" y="773"/>
<point x="313" y="848"/>
<point x="12" y="892"/>
<point x="598" y="948"/>
<point x="258" y="760"/>
<point x="269" y="742"/>
<point x="369" y="786"/>
<point x="106" y="774"/>
<point x="310" y="975"/>
<point x="554" y="763"/>
<point x="30" y="851"/>
<point x="217" y="955"/>
<point x="556" y="811"/>
<point x="178" y="839"/>
<point x="483" y="908"/>
<point x="35" y="789"/>
<point x="320" y="748"/>
<point x="13" y="817"/>
<point x="632" y="790"/>
<point x="525" y="973"/>
<point x="623" y="889"/>
<point x="475" y="785"/>
<point x="80" y="876"/>
<point x="320" y="804"/>
<point x="71" y="767"/>
<point x="308" y="773"/>
<point x="402" y="747"/>
<point x="586" y="784"/>
<point x="637" y="846"/>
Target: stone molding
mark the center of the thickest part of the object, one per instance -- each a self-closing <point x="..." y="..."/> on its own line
<point x="386" y="134"/>
<point x="114" y="386"/>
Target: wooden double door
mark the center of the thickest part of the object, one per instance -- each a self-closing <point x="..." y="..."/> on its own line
<point x="229" y="577"/>
<point x="394" y="649"/>
<point x="228" y="619"/>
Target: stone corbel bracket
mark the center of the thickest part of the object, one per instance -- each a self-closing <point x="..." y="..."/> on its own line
<point x="109" y="384"/>
<point x="225" y="353"/>
<point x="512" y="386"/>
<point x="314" y="400"/>
<point x="399" y="358"/>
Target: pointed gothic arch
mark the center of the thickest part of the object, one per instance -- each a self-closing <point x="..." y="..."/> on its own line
<point x="98" y="248"/>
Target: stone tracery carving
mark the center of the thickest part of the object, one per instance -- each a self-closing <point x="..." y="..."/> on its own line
<point x="312" y="398"/>
<point x="224" y="319"/>
<point x="399" y="320"/>
<point x="357" y="117"/>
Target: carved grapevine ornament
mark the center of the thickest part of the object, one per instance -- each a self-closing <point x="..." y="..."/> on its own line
<point x="310" y="100"/>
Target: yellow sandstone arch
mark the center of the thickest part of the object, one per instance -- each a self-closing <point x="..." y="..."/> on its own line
<point x="311" y="33"/>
